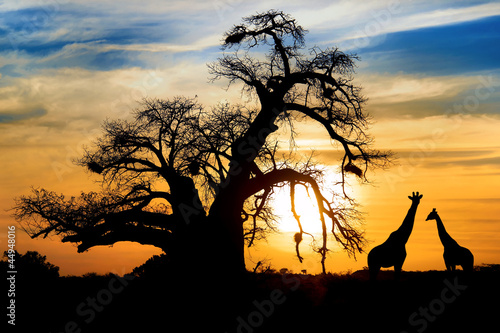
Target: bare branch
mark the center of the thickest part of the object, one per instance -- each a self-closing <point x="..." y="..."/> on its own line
<point x="176" y="172"/>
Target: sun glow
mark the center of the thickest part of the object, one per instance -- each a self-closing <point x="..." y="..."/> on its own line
<point x="305" y="205"/>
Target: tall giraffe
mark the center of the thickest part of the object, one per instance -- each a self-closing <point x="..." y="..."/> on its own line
<point x="392" y="252"/>
<point x="454" y="254"/>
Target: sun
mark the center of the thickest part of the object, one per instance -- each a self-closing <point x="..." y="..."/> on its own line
<point x="305" y="206"/>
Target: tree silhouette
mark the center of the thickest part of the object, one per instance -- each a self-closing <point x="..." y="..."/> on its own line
<point x="33" y="265"/>
<point x="197" y="182"/>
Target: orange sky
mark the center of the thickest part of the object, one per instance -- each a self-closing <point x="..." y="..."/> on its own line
<point x="466" y="196"/>
<point x="53" y="99"/>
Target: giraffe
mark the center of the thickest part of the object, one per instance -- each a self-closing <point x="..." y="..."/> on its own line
<point x="392" y="252"/>
<point x="454" y="254"/>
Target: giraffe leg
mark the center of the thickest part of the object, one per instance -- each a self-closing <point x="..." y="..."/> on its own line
<point x="374" y="272"/>
<point x="397" y="272"/>
<point x="469" y="267"/>
<point x="468" y="261"/>
<point x="447" y="264"/>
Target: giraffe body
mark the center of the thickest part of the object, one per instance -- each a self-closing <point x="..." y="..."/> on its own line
<point x="454" y="254"/>
<point x="393" y="251"/>
<point x="459" y="256"/>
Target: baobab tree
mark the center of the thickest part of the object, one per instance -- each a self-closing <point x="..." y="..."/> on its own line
<point x="195" y="181"/>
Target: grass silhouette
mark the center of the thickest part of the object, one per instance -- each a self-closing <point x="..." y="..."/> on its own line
<point x="264" y="302"/>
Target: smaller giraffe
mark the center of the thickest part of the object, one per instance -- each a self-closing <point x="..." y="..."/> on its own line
<point x="392" y="252"/>
<point x="454" y="254"/>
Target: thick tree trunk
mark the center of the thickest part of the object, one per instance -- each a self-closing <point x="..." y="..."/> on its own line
<point x="225" y="221"/>
<point x="226" y="235"/>
<point x="213" y="245"/>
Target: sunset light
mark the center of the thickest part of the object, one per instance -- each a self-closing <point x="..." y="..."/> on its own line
<point x="169" y="137"/>
<point x="440" y="120"/>
<point x="306" y="208"/>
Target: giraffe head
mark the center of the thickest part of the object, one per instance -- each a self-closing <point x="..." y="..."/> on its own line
<point x="415" y="198"/>
<point x="432" y="215"/>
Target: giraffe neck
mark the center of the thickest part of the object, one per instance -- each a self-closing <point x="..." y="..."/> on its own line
<point x="404" y="231"/>
<point x="445" y="238"/>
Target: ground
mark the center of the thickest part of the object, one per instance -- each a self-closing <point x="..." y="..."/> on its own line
<point x="432" y="301"/>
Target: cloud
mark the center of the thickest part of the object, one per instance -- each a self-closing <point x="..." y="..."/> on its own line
<point x="446" y="50"/>
<point x="493" y="161"/>
<point x="87" y="61"/>
<point x="435" y="159"/>
<point x="100" y="38"/>
<point x="404" y="88"/>
<point x="445" y="158"/>
<point x="377" y="18"/>
<point x="419" y="96"/>
<point x="440" y="17"/>
<point x="103" y="36"/>
<point x="10" y="117"/>
<point x="336" y="15"/>
<point x="77" y="100"/>
<point x="101" y="48"/>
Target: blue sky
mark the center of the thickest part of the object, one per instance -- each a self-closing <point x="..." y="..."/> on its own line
<point x="97" y="36"/>
<point x="443" y="50"/>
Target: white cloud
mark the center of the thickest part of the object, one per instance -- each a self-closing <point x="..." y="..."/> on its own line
<point x="78" y="100"/>
<point x="443" y="17"/>
<point x="349" y="21"/>
<point x="405" y="95"/>
<point x="339" y="14"/>
<point x="102" y="46"/>
<point x="404" y="88"/>
<point x="151" y="6"/>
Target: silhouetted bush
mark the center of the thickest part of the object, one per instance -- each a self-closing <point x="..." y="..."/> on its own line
<point x="33" y="265"/>
<point x="488" y="268"/>
<point x="154" y="266"/>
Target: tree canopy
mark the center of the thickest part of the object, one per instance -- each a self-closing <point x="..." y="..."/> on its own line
<point x="189" y="179"/>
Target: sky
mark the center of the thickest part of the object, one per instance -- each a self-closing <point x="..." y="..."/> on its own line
<point x="430" y="71"/>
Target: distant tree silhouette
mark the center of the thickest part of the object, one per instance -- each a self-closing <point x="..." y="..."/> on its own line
<point x="33" y="265"/>
<point x="197" y="182"/>
<point x="154" y="266"/>
<point x="487" y="268"/>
